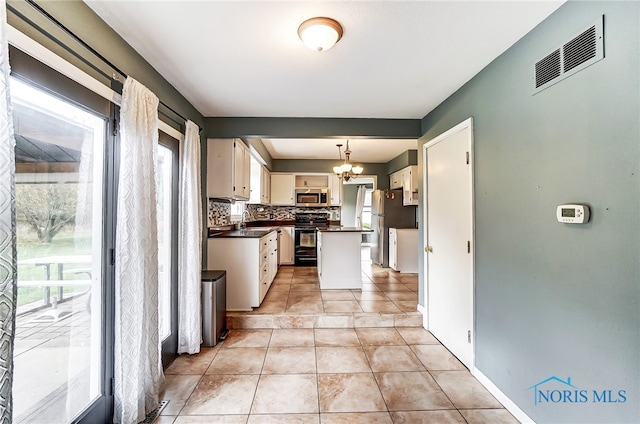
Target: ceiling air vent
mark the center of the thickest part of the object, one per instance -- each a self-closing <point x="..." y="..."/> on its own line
<point x="583" y="50"/>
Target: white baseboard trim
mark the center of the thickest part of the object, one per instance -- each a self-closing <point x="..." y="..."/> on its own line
<point x="421" y="309"/>
<point x="502" y="398"/>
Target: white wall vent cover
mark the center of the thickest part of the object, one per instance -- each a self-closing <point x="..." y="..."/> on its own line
<point x="583" y="50"/>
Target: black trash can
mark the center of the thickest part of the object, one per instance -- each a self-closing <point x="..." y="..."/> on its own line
<point x="214" y="306"/>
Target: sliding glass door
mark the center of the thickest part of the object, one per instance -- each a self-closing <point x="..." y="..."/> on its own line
<point x="60" y="203"/>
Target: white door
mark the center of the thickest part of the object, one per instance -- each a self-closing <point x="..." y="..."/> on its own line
<point x="449" y="240"/>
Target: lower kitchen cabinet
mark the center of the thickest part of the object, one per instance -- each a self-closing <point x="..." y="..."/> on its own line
<point x="251" y="265"/>
<point x="286" y="247"/>
<point x="403" y="249"/>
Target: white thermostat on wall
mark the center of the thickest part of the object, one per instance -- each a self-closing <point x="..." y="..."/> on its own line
<point x="573" y="214"/>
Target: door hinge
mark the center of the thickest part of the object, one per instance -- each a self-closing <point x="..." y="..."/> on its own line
<point x="469" y="336"/>
<point x="468" y="246"/>
<point x="112" y="256"/>
<point x="467" y="158"/>
<point x="111" y="386"/>
<point x="114" y="130"/>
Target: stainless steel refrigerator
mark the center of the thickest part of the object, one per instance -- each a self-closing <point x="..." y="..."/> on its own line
<point x="387" y="212"/>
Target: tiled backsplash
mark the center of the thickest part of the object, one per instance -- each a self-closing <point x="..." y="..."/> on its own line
<point x="220" y="213"/>
<point x="288" y="212"/>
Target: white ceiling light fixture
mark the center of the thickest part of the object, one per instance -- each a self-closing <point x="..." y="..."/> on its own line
<point x="347" y="170"/>
<point x="320" y="34"/>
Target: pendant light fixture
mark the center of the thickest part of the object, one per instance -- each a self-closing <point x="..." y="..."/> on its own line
<point x="320" y="34"/>
<point x="347" y="170"/>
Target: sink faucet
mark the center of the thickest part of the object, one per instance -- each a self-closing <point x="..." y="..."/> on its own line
<point x="246" y="214"/>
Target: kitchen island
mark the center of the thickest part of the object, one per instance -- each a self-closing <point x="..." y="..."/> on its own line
<point x="339" y="260"/>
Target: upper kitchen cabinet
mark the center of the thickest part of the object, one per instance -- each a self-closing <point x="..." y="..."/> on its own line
<point x="228" y="169"/>
<point x="395" y="179"/>
<point x="335" y="190"/>
<point x="311" y="181"/>
<point x="410" y="186"/>
<point x="260" y="184"/>
<point x="282" y="189"/>
<point x="407" y="180"/>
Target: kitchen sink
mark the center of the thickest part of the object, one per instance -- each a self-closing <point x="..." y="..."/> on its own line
<point x="252" y="233"/>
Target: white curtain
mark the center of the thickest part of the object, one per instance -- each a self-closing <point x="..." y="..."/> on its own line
<point x="190" y="244"/>
<point x="138" y="366"/>
<point x="360" y="204"/>
<point x="8" y="266"/>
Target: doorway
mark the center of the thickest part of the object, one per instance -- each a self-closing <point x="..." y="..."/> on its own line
<point x="448" y="240"/>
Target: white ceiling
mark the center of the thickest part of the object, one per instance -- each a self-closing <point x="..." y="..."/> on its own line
<point x="396" y="59"/>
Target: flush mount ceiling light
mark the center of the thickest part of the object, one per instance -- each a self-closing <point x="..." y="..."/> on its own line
<point x="347" y="170"/>
<point x="320" y="34"/>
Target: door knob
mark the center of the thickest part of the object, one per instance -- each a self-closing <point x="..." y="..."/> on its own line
<point x="428" y="249"/>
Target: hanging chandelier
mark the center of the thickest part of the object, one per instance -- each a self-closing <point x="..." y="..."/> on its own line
<point x="346" y="171"/>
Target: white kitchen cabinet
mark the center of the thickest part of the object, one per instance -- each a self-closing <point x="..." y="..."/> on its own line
<point x="282" y="189"/>
<point x="268" y="262"/>
<point x="393" y="248"/>
<point x="395" y="180"/>
<point x="407" y="180"/>
<point x="228" y="169"/>
<point x="335" y="190"/>
<point x="260" y="184"/>
<point x="311" y="181"/>
<point x="265" y="194"/>
<point x="251" y="265"/>
<point x="286" y="247"/>
<point x="410" y="185"/>
<point x="339" y="260"/>
<point x="403" y="249"/>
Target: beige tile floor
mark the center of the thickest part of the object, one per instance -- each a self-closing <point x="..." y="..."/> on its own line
<point x="295" y="300"/>
<point x="295" y="290"/>
<point x="355" y="375"/>
<point x="329" y="375"/>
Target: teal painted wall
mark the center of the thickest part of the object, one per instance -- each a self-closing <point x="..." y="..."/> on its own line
<point x="408" y="158"/>
<point x="554" y="299"/>
<point x="258" y="146"/>
<point x="311" y="127"/>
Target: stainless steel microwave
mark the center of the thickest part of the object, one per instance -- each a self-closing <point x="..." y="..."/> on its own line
<point x="312" y="197"/>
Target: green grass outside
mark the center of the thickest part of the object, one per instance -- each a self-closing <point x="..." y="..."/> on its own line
<point x="67" y="242"/>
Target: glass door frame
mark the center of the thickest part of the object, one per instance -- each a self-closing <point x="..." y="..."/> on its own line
<point x="37" y="74"/>
<point x="169" y="350"/>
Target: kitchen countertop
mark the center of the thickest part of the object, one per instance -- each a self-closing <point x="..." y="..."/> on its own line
<point x="344" y="230"/>
<point x="257" y="229"/>
<point x="244" y="233"/>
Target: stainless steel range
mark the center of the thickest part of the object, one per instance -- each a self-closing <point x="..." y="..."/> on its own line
<point x="305" y="253"/>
